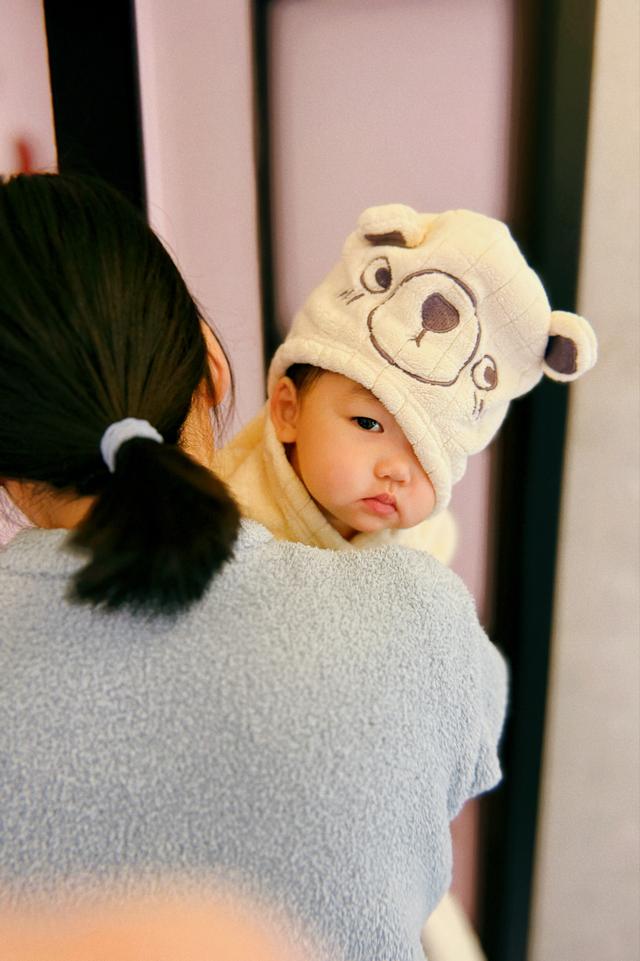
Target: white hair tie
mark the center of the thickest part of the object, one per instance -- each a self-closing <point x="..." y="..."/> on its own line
<point x="121" y="431"/>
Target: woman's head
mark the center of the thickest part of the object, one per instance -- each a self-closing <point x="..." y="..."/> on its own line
<point x="96" y="325"/>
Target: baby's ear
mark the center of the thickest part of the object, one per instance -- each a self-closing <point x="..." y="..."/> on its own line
<point x="572" y="348"/>
<point x="393" y="225"/>
<point x="283" y="409"/>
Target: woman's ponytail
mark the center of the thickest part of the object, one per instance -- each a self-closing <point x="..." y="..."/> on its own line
<point x="96" y="326"/>
<point x="157" y="533"/>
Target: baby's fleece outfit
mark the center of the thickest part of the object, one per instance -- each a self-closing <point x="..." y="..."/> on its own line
<point x="255" y="467"/>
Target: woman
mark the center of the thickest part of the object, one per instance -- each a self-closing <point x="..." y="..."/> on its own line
<point x="181" y="696"/>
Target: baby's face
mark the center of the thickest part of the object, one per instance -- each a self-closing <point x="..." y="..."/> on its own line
<point x="352" y="457"/>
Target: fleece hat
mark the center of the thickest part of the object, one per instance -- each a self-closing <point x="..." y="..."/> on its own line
<point x="441" y="318"/>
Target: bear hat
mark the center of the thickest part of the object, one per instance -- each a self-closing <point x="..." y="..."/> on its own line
<point x="442" y="319"/>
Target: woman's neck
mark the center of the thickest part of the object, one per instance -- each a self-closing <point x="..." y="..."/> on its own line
<point x="47" y="508"/>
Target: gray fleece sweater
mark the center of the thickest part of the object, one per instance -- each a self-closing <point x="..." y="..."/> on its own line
<point x="306" y="732"/>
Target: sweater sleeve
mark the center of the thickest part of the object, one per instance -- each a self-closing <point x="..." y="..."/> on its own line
<point x="492" y="706"/>
<point x="482" y="703"/>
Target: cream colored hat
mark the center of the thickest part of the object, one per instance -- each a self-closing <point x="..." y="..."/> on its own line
<point x="441" y="318"/>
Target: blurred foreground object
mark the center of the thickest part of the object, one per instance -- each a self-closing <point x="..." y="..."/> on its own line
<point x="143" y="929"/>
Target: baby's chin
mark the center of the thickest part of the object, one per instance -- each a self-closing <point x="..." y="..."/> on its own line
<point x="373" y="525"/>
<point x="349" y="526"/>
<point x="348" y="529"/>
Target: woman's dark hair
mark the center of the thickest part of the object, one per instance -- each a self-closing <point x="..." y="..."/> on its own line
<point x="96" y="324"/>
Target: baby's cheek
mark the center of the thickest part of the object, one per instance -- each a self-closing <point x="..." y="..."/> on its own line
<point x="424" y="502"/>
<point x="338" y="479"/>
<point x="322" y="479"/>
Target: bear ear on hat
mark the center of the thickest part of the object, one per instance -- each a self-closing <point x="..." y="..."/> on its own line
<point x="572" y="348"/>
<point x="393" y="225"/>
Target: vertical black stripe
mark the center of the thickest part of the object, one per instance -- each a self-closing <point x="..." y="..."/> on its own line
<point x="548" y="225"/>
<point x="271" y="334"/>
<point x="94" y="84"/>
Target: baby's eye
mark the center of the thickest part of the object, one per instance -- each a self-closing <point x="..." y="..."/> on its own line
<point x="367" y="423"/>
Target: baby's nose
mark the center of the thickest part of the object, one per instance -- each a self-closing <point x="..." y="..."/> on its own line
<point x="396" y="468"/>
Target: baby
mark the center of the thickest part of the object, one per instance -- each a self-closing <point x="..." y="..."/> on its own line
<point x="400" y="365"/>
<point x="327" y="465"/>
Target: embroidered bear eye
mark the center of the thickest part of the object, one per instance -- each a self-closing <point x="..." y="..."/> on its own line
<point x="485" y="373"/>
<point x="376" y="276"/>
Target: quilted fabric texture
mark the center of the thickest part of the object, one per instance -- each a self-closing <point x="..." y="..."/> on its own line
<point x="440" y="316"/>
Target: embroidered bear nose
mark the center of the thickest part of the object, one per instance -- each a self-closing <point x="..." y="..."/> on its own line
<point x="438" y="316"/>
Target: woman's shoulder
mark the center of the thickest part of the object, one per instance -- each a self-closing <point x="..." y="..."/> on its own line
<point x="396" y="612"/>
<point x="390" y="582"/>
<point x="387" y="564"/>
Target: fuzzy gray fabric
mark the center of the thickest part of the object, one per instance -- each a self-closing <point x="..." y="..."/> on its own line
<point x="307" y="732"/>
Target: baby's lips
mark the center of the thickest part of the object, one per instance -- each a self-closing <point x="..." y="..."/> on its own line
<point x="385" y="499"/>
<point x="382" y="504"/>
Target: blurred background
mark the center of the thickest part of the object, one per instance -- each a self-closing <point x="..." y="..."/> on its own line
<point x="253" y="134"/>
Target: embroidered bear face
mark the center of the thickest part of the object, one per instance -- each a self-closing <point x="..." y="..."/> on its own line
<point x="427" y="326"/>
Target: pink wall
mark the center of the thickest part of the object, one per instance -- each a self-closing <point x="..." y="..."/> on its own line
<point x="197" y="111"/>
<point x="377" y="102"/>
<point x="26" y="122"/>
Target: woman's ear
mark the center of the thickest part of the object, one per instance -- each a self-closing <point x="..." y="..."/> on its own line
<point x="284" y="406"/>
<point x="218" y="366"/>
